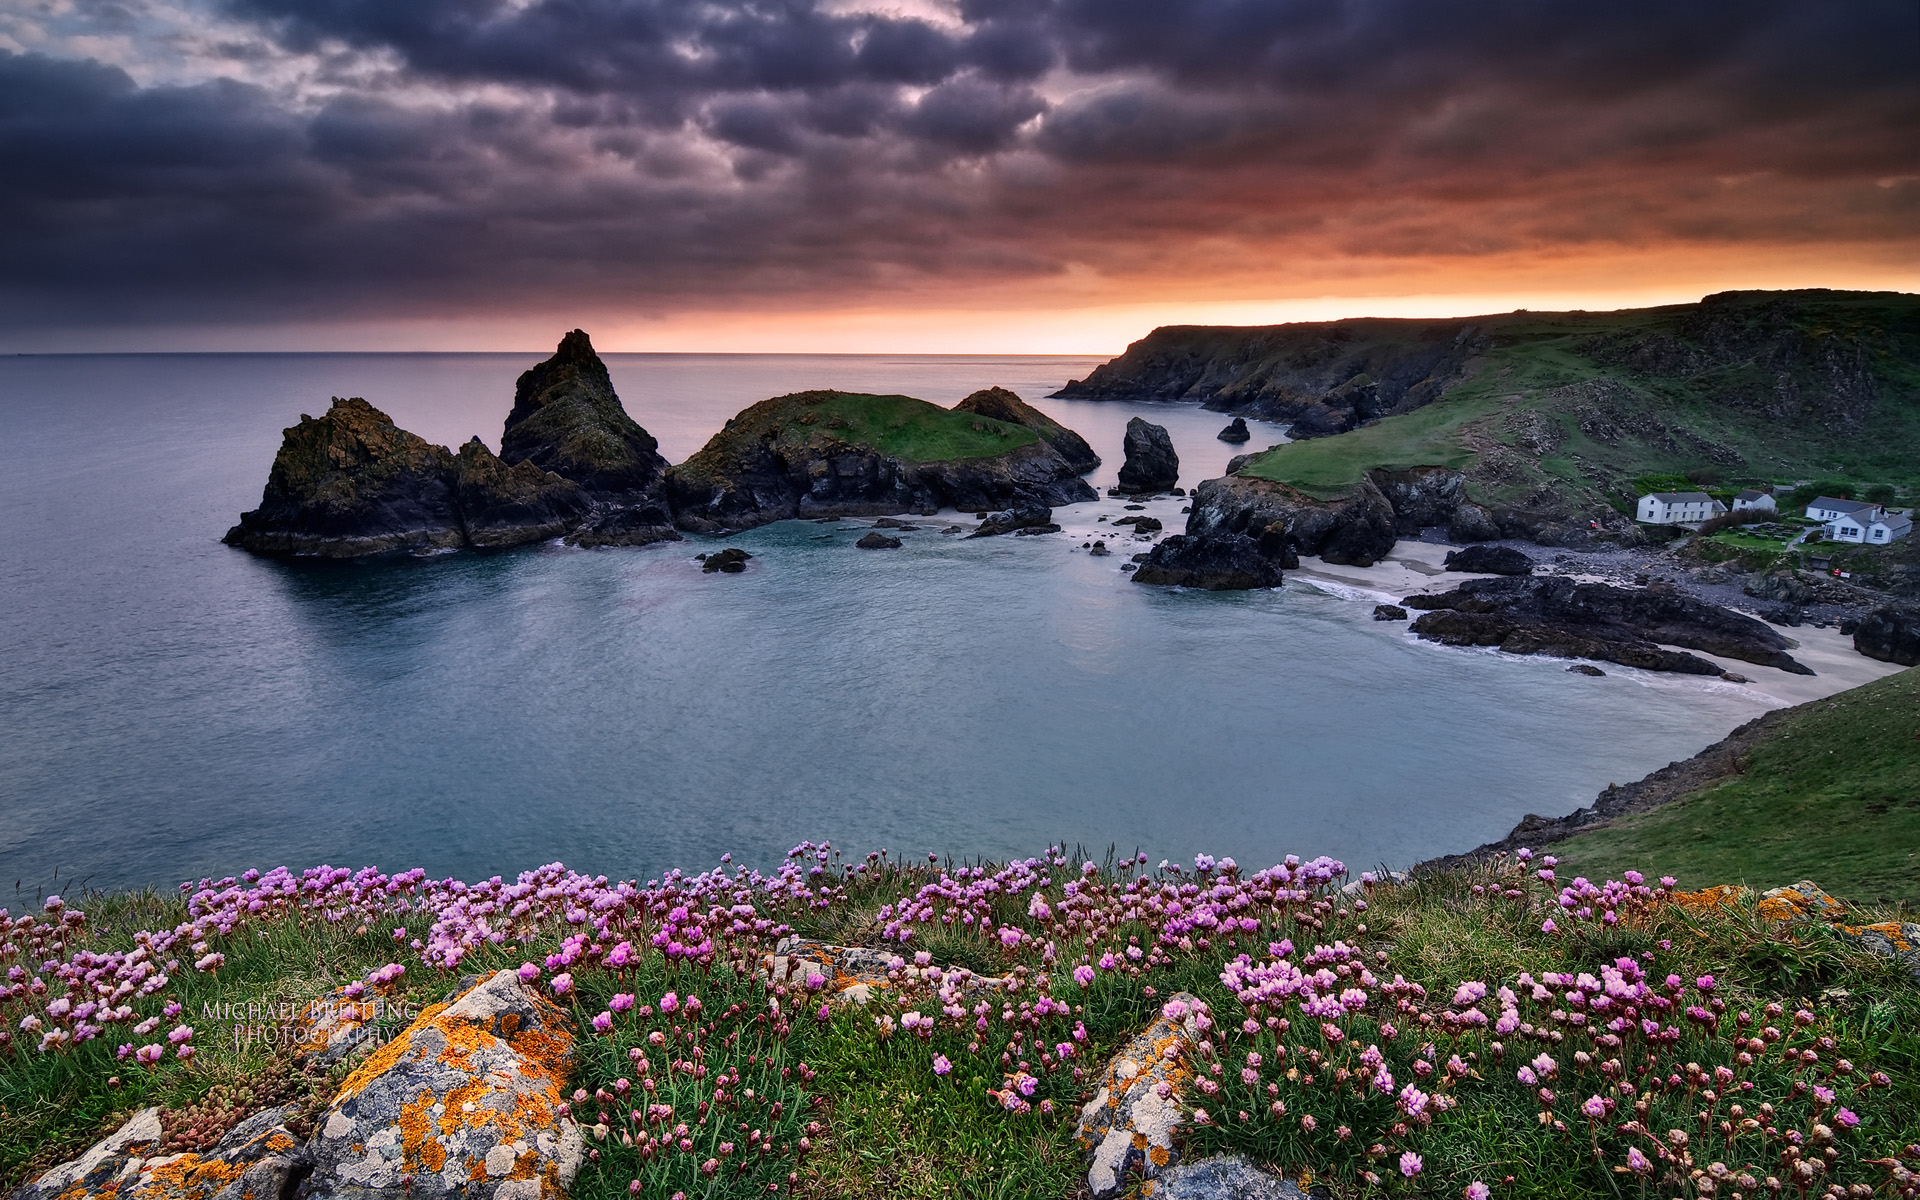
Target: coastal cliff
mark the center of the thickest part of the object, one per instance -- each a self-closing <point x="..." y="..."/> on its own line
<point x="1003" y="405"/>
<point x="828" y="453"/>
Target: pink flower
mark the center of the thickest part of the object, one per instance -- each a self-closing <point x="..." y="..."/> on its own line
<point x="1410" y="1164"/>
<point x="602" y="1022"/>
<point x="529" y="972"/>
<point x="1477" y="1191"/>
<point x="941" y="1064"/>
<point x="1594" y="1107"/>
<point x="1547" y="926"/>
<point x="1637" y="1162"/>
<point x="1847" y="1117"/>
<point x="1083" y="975"/>
<point x="621" y="1002"/>
<point x="670" y="1002"/>
<point x="562" y="983"/>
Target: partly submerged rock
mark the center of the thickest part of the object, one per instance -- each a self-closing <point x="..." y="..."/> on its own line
<point x="1629" y="626"/>
<point x="567" y="419"/>
<point x="1389" y="612"/>
<point x="468" y="1102"/>
<point x="641" y="525"/>
<point x="1586" y="669"/>
<point x="1003" y="405"/>
<point x="1142" y="524"/>
<point x="875" y="540"/>
<point x="1130" y="1121"/>
<point x="351" y="482"/>
<point x="1489" y="560"/>
<point x="1236" y="432"/>
<point x="1890" y="634"/>
<point x="1151" y="464"/>
<point x="1025" y="516"/>
<point x="1223" y="562"/>
<point x="730" y="561"/>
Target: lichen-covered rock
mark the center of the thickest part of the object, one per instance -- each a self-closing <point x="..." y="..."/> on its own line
<point x="467" y="1102"/>
<point x="339" y="1026"/>
<point x="1130" y="1121"/>
<point x="257" y="1160"/>
<point x="1222" y="1177"/>
<point x="1807" y="901"/>
<point x="853" y="974"/>
<point x="1151" y="464"/>
<point x="567" y="419"/>
<point x="1003" y="405"/>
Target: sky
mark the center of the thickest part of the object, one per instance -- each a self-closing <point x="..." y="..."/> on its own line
<point x="1031" y="176"/>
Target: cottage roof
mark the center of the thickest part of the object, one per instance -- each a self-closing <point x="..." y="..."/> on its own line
<point x="1896" y="526"/>
<point x="1682" y="497"/>
<point x="1845" y="506"/>
<point x="1750" y="494"/>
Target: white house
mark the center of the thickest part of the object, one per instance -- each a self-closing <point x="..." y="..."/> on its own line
<point x="1757" y="501"/>
<point x="1871" y="531"/>
<point x="1678" y="508"/>
<point x="1826" y="508"/>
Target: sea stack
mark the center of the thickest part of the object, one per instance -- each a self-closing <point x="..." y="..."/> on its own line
<point x="1151" y="464"/>
<point x="567" y="419"/>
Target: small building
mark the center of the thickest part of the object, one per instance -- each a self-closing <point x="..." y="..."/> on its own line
<point x="1677" y="508"/>
<point x="1755" y="501"/>
<point x="1870" y="531"/>
<point x="1826" y="508"/>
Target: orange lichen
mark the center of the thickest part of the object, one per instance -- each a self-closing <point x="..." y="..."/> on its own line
<point x="1157" y="1155"/>
<point x="418" y="1146"/>
<point x="383" y="1059"/>
<point x="186" y="1175"/>
<point x="1726" y="895"/>
<point x="1891" y="930"/>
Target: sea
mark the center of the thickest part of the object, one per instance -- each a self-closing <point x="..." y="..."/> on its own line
<point x="172" y="708"/>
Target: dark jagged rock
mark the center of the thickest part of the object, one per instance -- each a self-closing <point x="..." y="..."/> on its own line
<point x="503" y="505"/>
<point x="1003" y="405"/>
<point x="641" y="525"/>
<point x="1420" y="497"/>
<point x="1489" y="560"/>
<point x="731" y="561"/>
<point x="1586" y="669"/>
<point x="1027" y="516"/>
<point x="1471" y="523"/>
<point x="1236" y="432"/>
<point x="1141" y="524"/>
<point x="1594" y="620"/>
<point x="1357" y="530"/>
<point x="1223" y="562"/>
<point x="1890" y="634"/>
<point x="820" y="453"/>
<point x="1151" y="464"/>
<point x="1099" y="550"/>
<point x="891" y="523"/>
<point x="351" y="483"/>
<point x="567" y="419"/>
<point x="875" y="540"/>
<point x="1389" y="612"/>
<point x="1036" y="530"/>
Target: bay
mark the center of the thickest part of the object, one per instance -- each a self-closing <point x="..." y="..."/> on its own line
<point x="172" y="708"/>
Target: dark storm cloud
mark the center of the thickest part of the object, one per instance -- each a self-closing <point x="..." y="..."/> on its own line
<point x="464" y="154"/>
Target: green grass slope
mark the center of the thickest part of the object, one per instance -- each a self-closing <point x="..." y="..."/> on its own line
<point x="898" y="426"/>
<point x="1571" y="409"/>
<point x="1833" y="795"/>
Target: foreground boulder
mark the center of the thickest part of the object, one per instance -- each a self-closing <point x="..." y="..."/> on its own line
<point x="823" y="453"/>
<point x="1003" y="405"/>
<point x="1223" y="562"/>
<point x="1151" y="464"/>
<point x="567" y="419"/>
<point x="1489" y="560"/>
<point x="1130" y="1122"/>
<point x="1890" y="634"/>
<point x="1594" y="620"/>
<point x="351" y="483"/>
<point x="257" y="1159"/>
<point x="1026" y="516"/>
<point x="1236" y="432"/>
<point x="467" y="1102"/>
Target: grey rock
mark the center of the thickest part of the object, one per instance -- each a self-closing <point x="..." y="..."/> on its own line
<point x="1236" y="432"/>
<point x="1389" y="612"/>
<point x="1221" y="562"/>
<point x="878" y="541"/>
<point x="1489" y="560"/>
<point x="267" y="1154"/>
<point x="1890" y="634"/>
<point x="641" y="525"/>
<point x="1021" y="517"/>
<point x="1142" y="524"/>
<point x="1131" y="1120"/>
<point x="1471" y="523"/>
<point x="1223" y="1177"/>
<point x="1585" y="669"/>
<point x="1151" y="464"/>
<point x="732" y="561"/>
<point x="1099" y="550"/>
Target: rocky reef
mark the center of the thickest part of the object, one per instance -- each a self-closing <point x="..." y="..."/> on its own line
<point x="1224" y="562"/>
<point x="827" y="453"/>
<point x="1628" y="626"/>
<point x="567" y="419"/>
<point x="1151" y="464"/>
<point x="1003" y="405"/>
<point x="351" y="482"/>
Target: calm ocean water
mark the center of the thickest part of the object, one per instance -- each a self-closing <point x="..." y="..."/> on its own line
<point x="170" y="707"/>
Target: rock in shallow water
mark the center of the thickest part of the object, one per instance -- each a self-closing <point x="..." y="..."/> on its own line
<point x="1024" y="516"/>
<point x="876" y="540"/>
<point x="1151" y="464"/>
<point x="732" y="561"/>
<point x="1223" y="562"/>
<point x="1236" y="432"/>
<point x="1389" y="612"/>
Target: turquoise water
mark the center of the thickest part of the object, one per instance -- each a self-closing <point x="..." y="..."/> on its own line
<point x="170" y="707"/>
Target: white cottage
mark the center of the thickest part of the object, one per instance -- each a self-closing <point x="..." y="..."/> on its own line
<point x="1678" y="508"/>
<point x="1826" y="508"/>
<point x="1870" y="531"/>
<point x="1752" y="501"/>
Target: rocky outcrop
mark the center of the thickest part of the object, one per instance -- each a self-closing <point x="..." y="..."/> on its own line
<point x="1357" y="530"/>
<point x="1151" y="464"/>
<point x="1389" y="612"/>
<point x="817" y="454"/>
<point x="1488" y="560"/>
<point x="1003" y="405"/>
<point x="875" y="540"/>
<point x="351" y="483"/>
<point x="567" y="419"/>
<point x="257" y="1158"/>
<point x="1593" y="620"/>
<point x="641" y="525"/>
<point x="1472" y="523"/>
<point x="730" y="561"/>
<point x="1236" y="432"/>
<point x="1890" y="634"/>
<point x="467" y="1102"/>
<point x="1219" y="562"/>
<point x="1026" y="516"/>
<point x="1420" y="497"/>
<point x="1140" y="524"/>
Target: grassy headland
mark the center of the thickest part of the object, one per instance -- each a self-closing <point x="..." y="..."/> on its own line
<point x="1830" y="792"/>
<point x="896" y="426"/>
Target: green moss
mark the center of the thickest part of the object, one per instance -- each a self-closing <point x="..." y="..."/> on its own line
<point x="1330" y="467"/>
<point x="896" y="426"/>
<point x="1833" y="794"/>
